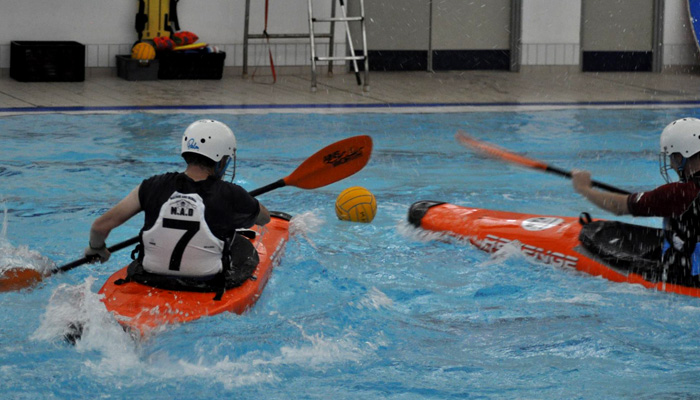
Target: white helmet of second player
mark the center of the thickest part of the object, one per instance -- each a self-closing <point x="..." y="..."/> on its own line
<point x="681" y="137"/>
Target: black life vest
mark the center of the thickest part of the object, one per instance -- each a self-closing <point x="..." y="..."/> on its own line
<point x="681" y="248"/>
<point x="239" y="260"/>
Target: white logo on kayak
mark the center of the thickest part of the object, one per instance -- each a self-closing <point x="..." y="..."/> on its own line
<point x="541" y="223"/>
<point x="492" y="243"/>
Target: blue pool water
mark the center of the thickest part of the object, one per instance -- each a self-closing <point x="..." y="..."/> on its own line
<point x="376" y="310"/>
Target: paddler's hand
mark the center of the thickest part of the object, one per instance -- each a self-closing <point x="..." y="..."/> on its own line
<point x="100" y="254"/>
<point x="581" y="181"/>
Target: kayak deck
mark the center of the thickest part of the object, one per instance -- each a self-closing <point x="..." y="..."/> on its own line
<point x="545" y="239"/>
<point x="142" y="308"/>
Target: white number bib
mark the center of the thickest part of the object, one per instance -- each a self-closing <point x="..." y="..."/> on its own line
<point x="180" y="242"/>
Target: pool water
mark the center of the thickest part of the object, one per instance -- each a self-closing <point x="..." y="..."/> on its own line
<point x="378" y="310"/>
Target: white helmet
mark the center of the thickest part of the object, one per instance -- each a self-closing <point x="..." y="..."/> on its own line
<point x="212" y="139"/>
<point x="681" y="136"/>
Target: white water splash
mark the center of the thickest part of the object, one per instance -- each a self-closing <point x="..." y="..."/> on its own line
<point x="374" y="299"/>
<point x="410" y="232"/>
<point x="121" y="355"/>
<point x="509" y="251"/>
<point x="78" y="305"/>
<point x="19" y="257"/>
<point x="321" y="350"/>
<point x="582" y="299"/>
<point x="413" y="233"/>
<point x="304" y="224"/>
<point x="318" y="352"/>
<point x="308" y="222"/>
<point x="231" y="374"/>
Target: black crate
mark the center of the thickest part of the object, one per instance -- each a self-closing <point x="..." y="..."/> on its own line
<point x="136" y="70"/>
<point x="47" y="61"/>
<point x="190" y="65"/>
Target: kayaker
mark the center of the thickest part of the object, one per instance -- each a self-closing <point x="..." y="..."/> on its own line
<point x="677" y="202"/>
<point x="191" y="218"/>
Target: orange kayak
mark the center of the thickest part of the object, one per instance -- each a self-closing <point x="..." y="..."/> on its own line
<point x="140" y="308"/>
<point x="614" y="250"/>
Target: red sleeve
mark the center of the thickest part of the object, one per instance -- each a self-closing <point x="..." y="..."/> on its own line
<point x="668" y="200"/>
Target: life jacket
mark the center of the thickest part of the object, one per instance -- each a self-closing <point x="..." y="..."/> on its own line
<point x="626" y="248"/>
<point x="239" y="260"/>
<point x="681" y="247"/>
<point x="180" y="243"/>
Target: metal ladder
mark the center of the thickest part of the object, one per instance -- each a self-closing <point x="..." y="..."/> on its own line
<point x="330" y="58"/>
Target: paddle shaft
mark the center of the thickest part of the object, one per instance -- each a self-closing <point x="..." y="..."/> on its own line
<point x="597" y="184"/>
<point x="506" y="155"/>
<point x="268" y="188"/>
<point x="84" y="260"/>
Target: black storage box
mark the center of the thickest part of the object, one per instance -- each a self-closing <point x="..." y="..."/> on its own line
<point x="47" y="61"/>
<point x="137" y="70"/>
<point x="190" y="65"/>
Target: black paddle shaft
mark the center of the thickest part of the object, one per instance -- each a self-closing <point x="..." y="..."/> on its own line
<point x="84" y="260"/>
<point x="597" y="184"/>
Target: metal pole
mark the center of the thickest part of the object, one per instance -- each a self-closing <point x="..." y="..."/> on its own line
<point x="364" y="45"/>
<point x="430" y="36"/>
<point x="313" y="47"/>
<point x="349" y="39"/>
<point x="657" y="48"/>
<point x="516" y="15"/>
<point x="331" y="42"/>
<point x="245" y="39"/>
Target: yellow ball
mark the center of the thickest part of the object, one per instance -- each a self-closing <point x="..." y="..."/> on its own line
<point x="356" y="204"/>
<point x="143" y="51"/>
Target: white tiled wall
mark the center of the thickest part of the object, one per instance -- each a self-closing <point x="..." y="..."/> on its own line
<point x="550" y="54"/>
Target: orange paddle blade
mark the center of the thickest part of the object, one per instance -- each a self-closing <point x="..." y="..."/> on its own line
<point x="332" y="163"/>
<point x="497" y="152"/>
<point x="19" y="278"/>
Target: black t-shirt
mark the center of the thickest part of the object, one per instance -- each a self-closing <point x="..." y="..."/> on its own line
<point x="227" y="206"/>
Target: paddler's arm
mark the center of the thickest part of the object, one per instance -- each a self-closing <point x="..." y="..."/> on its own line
<point x="263" y="216"/>
<point x="615" y="203"/>
<point x="103" y="225"/>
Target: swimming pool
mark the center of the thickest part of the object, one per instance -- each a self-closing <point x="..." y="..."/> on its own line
<point x="354" y="310"/>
